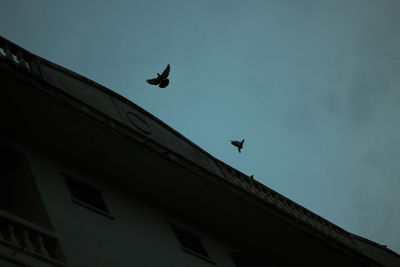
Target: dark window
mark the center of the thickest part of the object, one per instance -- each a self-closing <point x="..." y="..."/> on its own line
<point x="189" y="241"/>
<point x="86" y="194"/>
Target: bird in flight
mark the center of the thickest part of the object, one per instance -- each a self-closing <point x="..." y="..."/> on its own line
<point x="161" y="80"/>
<point x="237" y="144"/>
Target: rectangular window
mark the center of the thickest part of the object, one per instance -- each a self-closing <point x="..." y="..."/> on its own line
<point x="86" y="194"/>
<point x="190" y="242"/>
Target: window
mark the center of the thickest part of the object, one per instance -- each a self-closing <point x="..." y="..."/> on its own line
<point x="190" y="242"/>
<point x="86" y="195"/>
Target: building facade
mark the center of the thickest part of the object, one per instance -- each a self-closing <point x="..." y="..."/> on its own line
<point x="88" y="178"/>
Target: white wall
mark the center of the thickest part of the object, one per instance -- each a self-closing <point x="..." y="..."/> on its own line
<point x="138" y="236"/>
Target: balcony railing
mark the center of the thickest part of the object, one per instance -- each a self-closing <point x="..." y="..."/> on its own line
<point x="23" y="237"/>
<point x="283" y="204"/>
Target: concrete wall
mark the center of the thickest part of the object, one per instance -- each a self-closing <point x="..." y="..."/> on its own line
<point x="139" y="234"/>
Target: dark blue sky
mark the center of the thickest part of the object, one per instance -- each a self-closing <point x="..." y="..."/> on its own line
<point x="313" y="87"/>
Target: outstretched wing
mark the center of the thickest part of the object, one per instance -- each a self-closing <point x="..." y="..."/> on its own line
<point x="165" y="73"/>
<point x="164" y="83"/>
<point x="154" y="81"/>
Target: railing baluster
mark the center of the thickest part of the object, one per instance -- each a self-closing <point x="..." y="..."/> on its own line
<point x="11" y="235"/>
<point x="26" y="241"/>
<point x="42" y="248"/>
<point x="1" y="235"/>
<point x="21" y="59"/>
<point x="7" y="51"/>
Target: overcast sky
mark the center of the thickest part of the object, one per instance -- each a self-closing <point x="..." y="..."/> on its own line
<point x="313" y="86"/>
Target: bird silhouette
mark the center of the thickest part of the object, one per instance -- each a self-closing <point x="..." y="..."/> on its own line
<point x="237" y="144"/>
<point x="251" y="177"/>
<point x="161" y="80"/>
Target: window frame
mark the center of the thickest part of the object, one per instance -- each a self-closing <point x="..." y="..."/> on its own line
<point x="175" y="227"/>
<point x="69" y="179"/>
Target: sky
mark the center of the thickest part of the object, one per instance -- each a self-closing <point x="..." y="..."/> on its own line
<point x="312" y="86"/>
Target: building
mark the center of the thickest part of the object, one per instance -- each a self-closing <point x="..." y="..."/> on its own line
<point x="88" y="178"/>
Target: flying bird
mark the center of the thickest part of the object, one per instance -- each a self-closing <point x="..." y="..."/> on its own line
<point x="237" y="144"/>
<point x="161" y="80"/>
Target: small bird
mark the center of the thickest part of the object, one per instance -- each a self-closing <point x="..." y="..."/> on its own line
<point x="237" y="144"/>
<point x="161" y="80"/>
<point x="251" y="177"/>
